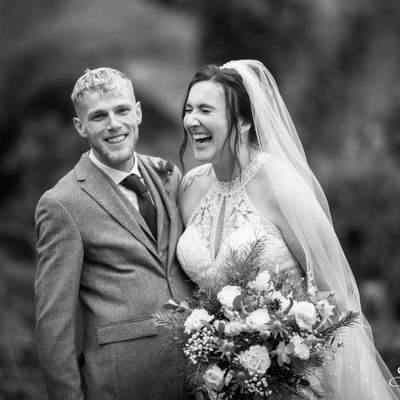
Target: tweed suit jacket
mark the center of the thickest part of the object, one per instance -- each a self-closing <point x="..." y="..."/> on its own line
<point x="100" y="277"/>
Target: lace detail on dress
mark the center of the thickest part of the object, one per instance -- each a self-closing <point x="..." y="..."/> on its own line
<point x="244" y="178"/>
<point x="202" y="251"/>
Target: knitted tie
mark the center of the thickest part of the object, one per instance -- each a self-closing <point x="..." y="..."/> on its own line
<point x="146" y="207"/>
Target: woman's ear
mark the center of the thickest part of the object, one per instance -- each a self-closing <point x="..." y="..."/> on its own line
<point x="244" y="129"/>
<point x="244" y="126"/>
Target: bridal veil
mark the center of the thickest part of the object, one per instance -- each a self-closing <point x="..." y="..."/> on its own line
<point x="356" y="370"/>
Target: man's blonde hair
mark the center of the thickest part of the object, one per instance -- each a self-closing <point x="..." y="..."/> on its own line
<point x="98" y="80"/>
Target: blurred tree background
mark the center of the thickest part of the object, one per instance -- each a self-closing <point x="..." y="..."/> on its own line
<point x="336" y="62"/>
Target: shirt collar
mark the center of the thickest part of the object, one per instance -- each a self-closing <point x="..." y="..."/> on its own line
<point x="115" y="174"/>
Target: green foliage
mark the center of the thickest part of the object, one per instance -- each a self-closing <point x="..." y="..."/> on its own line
<point x="345" y="321"/>
<point x="172" y="321"/>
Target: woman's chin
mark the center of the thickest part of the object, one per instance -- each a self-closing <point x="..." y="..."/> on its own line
<point x="202" y="156"/>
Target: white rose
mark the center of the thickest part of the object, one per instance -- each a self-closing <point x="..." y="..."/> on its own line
<point x="300" y="349"/>
<point x="256" y="360"/>
<point x="227" y="294"/>
<point x="214" y="378"/>
<point x="195" y="320"/>
<point x="283" y="300"/>
<point x="305" y="314"/>
<point x="258" y="319"/>
<point x="262" y="282"/>
<point x="233" y="328"/>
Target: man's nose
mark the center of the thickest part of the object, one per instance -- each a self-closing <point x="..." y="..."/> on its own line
<point x="113" y="122"/>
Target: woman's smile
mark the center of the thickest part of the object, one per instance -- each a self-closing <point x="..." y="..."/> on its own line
<point x="201" y="139"/>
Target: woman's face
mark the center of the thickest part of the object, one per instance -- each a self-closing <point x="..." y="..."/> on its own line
<point x="206" y="123"/>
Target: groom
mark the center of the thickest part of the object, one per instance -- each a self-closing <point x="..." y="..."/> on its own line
<point x="106" y="258"/>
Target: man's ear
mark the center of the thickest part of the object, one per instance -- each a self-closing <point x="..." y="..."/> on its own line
<point x="79" y="127"/>
<point x="139" y="112"/>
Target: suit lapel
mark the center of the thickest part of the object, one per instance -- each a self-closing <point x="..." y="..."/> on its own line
<point x="106" y="193"/>
<point x="165" y="208"/>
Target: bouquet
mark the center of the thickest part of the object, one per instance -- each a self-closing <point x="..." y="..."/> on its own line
<point x="255" y="335"/>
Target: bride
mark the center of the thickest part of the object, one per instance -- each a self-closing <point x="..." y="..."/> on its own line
<point x="255" y="182"/>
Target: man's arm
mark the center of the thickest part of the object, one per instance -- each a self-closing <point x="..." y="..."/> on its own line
<point x="60" y="257"/>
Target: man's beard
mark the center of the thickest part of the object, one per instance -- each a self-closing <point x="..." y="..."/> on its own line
<point x="114" y="159"/>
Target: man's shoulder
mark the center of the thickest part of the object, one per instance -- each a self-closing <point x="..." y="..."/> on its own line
<point x="150" y="159"/>
<point x="166" y="170"/>
<point x="65" y="188"/>
<point x="159" y="164"/>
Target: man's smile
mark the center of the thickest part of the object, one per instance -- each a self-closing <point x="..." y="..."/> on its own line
<point x="116" y="139"/>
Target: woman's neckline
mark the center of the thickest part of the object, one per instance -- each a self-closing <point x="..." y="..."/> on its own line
<point x="244" y="177"/>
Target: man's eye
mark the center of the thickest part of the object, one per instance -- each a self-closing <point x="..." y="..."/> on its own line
<point x="97" y="117"/>
<point x="188" y="110"/>
<point x="123" y="111"/>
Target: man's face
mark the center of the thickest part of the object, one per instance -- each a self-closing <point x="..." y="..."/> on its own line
<point x="110" y="122"/>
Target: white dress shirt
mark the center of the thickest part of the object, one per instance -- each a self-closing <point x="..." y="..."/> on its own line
<point x="118" y="176"/>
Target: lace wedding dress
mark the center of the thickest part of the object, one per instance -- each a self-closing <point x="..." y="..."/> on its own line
<point x="226" y="219"/>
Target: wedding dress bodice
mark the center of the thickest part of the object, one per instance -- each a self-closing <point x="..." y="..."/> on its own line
<point x="226" y="219"/>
